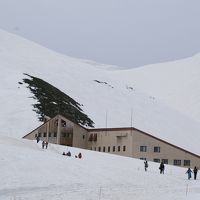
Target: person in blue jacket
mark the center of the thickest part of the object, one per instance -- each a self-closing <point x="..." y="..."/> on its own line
<point x="189" y="172"/>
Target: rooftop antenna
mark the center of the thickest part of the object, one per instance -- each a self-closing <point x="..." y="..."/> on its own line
<point x="106" y="119"/>
<point x="131" y="131"/>
<point x="131" y="117"/>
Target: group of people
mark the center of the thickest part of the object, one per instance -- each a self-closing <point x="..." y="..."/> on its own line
<point x="69" y="154"/>
<point x="79" y="156"/>
<point x="189" y="172"/>
<point x="44" y="144"/>
<point x="162" y="169"/>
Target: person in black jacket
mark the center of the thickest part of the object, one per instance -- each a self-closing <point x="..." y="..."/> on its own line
<point x="43" y="143"/>
<point x="162" y="168"/>
<point x="37" y="138"/>
<point x="195" y="170"/>
<point x="145" y="165"/>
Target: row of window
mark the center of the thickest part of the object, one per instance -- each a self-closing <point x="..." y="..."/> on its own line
<point x="109" y="149"/>
<point x="65" y="135"/>
<point x="156" y="149"/>
<point x="45" y="134"/>
<point x="185" y="162"/>
<point x="92" y="137"/>
<point x="175" y="162"/>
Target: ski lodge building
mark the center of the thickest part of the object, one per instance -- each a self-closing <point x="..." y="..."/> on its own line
<point x="129" y="142"/>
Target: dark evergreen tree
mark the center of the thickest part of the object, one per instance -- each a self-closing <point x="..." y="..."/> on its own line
<point x="51" y="101"/>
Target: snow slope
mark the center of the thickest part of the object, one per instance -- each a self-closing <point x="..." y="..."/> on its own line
<point x="30" y="173"/>
<point x="176" y="83"/>
<point x="118" y="98"/>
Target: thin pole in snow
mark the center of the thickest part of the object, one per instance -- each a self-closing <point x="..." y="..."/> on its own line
<point x="100" y="193"/>
<point x="186" y="190"/>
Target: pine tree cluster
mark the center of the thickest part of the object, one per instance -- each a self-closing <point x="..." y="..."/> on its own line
<point x="51" y="101"/>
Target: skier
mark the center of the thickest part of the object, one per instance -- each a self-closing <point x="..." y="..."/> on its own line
<point x="46" y="145"/>
<point x="37" y="138"/>
<point x="195" y="170"/>
<point x="162" y="168"/>
<point x="43" y="143"/>
<point x="145" y="165"/>
<point x="189" y="172"/>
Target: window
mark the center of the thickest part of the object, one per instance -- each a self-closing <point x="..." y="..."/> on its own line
<point x="109" y="149"/>
<point x="113" y="148"/>
<point x="118" y="148"/>
<point x="165" y="161"/>
<point x="143" y="148"/>
<point x="49" y="134"/>
<point x="95" y="137"/>
<point x="157" y="149"/>
<point x="142" y="158"/>
<point x="63" y="123"/>
<point x="124" y="148"/>
<point x="186" y="162"/>
<point x="83" y="137"/>
<point x="177" y="162"/>
<point x="39" y="134"/>
<point x="90" y="137"/>
<point x="156" y="160"/>
<point x="55" y="134"/>
<point x="44" y="134"/>
<point x="99" y="148"/>
<point x="104" y="149"/>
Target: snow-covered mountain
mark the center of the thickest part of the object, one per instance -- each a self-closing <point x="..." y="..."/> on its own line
<point x="160" y="99"/>
<point x="176" y="83"/>
<point x="109" y="94"/>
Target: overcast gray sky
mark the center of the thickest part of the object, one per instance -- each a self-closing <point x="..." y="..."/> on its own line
<point x="127" y="33"/>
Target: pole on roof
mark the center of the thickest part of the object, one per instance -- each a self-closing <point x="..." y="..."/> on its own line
<point x="131" y="141"/>
<point x="106" y="119"/>
<point x="131" y="117"/>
